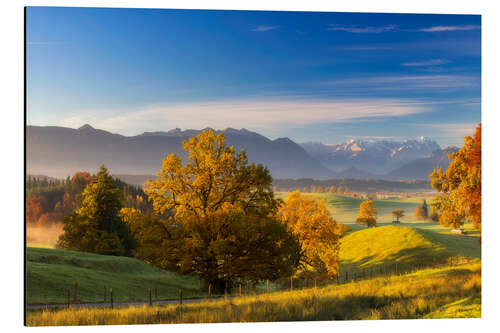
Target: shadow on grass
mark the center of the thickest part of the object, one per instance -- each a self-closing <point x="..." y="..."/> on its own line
<point x="406" y="260"/>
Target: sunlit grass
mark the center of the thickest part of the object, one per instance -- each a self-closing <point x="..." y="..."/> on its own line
<point x="409" y="247"/>
<point x="469" y="307"/>
<point x="40" y="245"/>
<point x="426" y="293"/>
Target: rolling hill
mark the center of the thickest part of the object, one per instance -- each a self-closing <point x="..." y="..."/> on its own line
<point x="50" y="273"/>
<point x="407" y="246"/>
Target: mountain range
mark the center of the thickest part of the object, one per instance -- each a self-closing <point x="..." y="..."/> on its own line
<point x="375" y="156"/>
<point x="60" y="151"/>
<point x="383" y="159"/>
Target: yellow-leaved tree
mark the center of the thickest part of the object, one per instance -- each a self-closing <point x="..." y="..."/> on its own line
<point x="317" y="232"/>
<point x="223" y="224"/>
<point x="367" y="214"/>
<point x="460" y="185"/>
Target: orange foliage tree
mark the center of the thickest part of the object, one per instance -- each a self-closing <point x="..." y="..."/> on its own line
<point x="367" y="214"/>
<point x="34" y="208"/>
<point x="222" y="223"/>
<point x="318" y="233"/>
<point x="460" y="185"/>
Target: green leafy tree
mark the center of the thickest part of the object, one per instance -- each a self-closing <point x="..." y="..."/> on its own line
<point x="425" y="209"/>
<point x="96" y="225"/>
<point x="422" y="211"/>
<point x="223" y="225"/>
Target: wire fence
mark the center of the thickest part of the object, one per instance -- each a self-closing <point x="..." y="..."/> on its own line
<point x="346" y="275"/>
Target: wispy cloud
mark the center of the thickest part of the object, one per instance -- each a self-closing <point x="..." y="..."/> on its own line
<point x="433" y="62"/>
<point x="266" y="27"/>
<point x="252" y="114"/>
<point x="362" y="30"/>
<point x="440" y="28"/>
<point x="457" y="131"/>
<point x="401" y="82"/>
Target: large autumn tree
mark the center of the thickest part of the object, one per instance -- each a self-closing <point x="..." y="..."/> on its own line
<point x="317" y="232"/>
<point x="223" y="225"/>
<point x="96" y="225"/>
<point x="460" y="185"/>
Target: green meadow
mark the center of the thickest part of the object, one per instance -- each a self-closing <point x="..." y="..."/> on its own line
<point x="51" y="273"/>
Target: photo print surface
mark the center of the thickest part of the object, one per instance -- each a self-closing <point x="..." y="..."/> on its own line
<point x="213" y="166"/>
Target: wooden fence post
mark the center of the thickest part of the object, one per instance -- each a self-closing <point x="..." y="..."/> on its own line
<point x="149" y="292"/>
<point x="267" y="286"/>
<point x="315" y="283"/>
<point x="75" y="296"/>
<point x="180" y="297"/>
<point x="240" y="290"/>
<point x="104" y="294"/>
<point x="111" y="296"/>
<point x="291" y="283"/>
<point x="69" y="298"/>
<point x="346" y="276"/>
<point x="396" y="268"/>
<point x="209" y="290"/>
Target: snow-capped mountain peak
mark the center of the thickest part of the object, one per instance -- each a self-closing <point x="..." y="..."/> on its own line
<point x="372" y="155"/>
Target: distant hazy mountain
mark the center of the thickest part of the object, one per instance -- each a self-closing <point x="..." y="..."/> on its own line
<point x="371" y="156"/>
<point x="422" y="167"/>
<point x="355" y="173"/>
<point x="60" y="151"/>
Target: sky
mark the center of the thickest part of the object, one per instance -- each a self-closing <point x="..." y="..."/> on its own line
<point x="309" y="76"/>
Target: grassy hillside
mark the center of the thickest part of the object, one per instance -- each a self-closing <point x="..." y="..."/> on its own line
<point x="407" y="246"/>
<point x="50" y="273"/>
<point x="433" y="293"/>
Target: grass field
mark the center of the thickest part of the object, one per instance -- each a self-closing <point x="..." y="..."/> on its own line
<point x="409" y="247"/>
<point x="345" y="209"/>
<point x="445" y="292"/>
<point x="50" y="273"/>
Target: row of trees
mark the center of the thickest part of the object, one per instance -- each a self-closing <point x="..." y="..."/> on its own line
<point x="215" y="216"/>
<point x="49" y="200"/>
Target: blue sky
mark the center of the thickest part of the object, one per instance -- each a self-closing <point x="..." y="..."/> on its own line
<point x="308" y="76"/>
